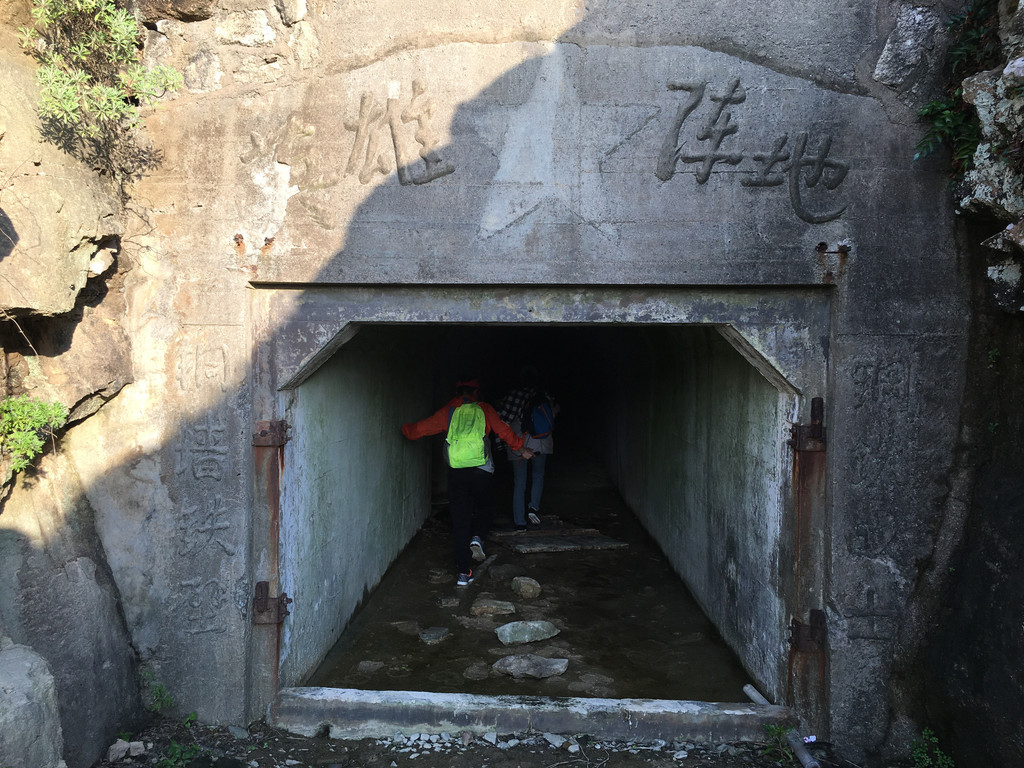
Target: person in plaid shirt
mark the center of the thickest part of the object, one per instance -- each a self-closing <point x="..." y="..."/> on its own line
<point x="511" y="410"/>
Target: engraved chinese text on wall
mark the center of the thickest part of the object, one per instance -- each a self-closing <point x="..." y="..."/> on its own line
<point x="206" y="533"/>
<point x="803" y="164"/>
<point x="382" y="143"/>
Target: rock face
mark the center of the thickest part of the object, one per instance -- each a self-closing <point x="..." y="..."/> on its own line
<point x="56" y="215"/>
<point x="30" y="733"/>
<point x="61" y="601"/>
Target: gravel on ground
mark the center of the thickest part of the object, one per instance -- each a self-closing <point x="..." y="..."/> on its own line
<point x="171" y="743"/>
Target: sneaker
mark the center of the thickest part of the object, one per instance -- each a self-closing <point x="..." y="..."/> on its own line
<point x="533" y="517"/>
<point x="520" y="528"/>
<point x="476" y="547"/>
<point x="464" y="580"/>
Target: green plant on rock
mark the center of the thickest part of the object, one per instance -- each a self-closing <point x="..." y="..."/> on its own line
<point x="25" y="424"/>
<point x="776" y="744"/>
<point x="925" y="752"/>
<point x="93" y="81"/>
<point x="177" y="755"/>
<point x="974" y="47"/>
<point x="159" y="697"/>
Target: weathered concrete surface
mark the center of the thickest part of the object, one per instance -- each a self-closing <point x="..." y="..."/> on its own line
<point x="30" y="734"/>
<point x="780" y="331"/>
<point x="353" y="502"/>
<point x="543" y="146"/>
<point x="354" y="714"/>
<point x="694" y="450"/>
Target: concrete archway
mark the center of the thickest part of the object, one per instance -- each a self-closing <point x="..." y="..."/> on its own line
<point x="716" y="380"/>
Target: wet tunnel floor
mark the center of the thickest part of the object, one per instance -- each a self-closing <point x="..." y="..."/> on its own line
<point x="628" y="626"/>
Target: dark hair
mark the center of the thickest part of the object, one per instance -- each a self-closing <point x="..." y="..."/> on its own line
<point x="529" y="376"/>
<point x="466" y="385"/>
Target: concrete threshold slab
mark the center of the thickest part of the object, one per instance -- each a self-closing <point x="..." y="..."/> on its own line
<point x="346" y="713"/>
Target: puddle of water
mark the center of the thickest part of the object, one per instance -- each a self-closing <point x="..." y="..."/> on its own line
<point x="628" y="626"/>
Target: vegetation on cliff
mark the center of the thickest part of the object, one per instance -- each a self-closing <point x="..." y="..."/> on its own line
<point x="93" y="82"/>
<point x="25" y="424"/>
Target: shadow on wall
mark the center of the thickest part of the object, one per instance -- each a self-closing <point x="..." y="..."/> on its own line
<point x="60" y="599"/>
<point x="587" y="159"/>
<point x="8" y="235"/>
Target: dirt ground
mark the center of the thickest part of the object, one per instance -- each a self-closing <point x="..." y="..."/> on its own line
<point x="178" y="744"/>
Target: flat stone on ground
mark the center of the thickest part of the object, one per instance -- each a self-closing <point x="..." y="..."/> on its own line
<point x="516" y="632"/>
<point x="530" y="665"/>
<point x="487" y="607"/>
<point x="434" y="635"/>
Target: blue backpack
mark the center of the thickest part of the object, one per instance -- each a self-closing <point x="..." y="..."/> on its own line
<point x="538" y="416"/>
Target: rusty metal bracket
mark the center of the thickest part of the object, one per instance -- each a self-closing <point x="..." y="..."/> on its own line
<point x="267" y="609"/>
<point x="808" y="638"/>
<point x="810" y="437"/>
<point x="270" y="433"/>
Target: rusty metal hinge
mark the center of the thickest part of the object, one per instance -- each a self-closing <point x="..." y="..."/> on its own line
<point x="808" y="638"/>
<point x="270" y="433"/>
<point x="267" y="609"/>
<point x="810" y="437"/>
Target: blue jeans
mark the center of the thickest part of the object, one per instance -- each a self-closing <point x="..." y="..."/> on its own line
<point x="519" y="472"/>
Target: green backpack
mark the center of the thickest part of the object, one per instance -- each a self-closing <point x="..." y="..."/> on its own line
<point x="467" y="426"/>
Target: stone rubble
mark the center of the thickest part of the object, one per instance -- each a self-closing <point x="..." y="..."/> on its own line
<point x="421" y="744"/>
<point x="526" y="587"/>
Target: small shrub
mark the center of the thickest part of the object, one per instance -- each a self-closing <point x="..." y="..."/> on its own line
<point x="25" y="423"/>
<point x="974" y="47"/>
<point x="925" y="752"/>
<point x="160" y="698"/>
<point x="776" y="745"/>
<point x="178" y="755"/>
<point x="93" y="81"/>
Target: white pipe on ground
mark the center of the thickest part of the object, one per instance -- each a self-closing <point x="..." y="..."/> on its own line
<point x="796" y="743"/>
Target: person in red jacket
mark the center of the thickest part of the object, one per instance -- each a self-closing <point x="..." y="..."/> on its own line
<point x="470" y="489"/>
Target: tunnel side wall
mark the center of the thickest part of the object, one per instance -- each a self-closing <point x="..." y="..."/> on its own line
<point x="345" y="517"/>
<point x="698" y="453"/>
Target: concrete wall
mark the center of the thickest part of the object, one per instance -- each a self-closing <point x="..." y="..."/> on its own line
<point x="697" y="447"/>
<point x="354" y="490"/>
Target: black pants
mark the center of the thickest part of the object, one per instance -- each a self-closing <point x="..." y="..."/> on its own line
<point x="471" y="502"/>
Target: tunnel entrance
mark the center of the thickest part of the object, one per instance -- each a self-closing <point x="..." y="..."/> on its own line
<point x="689" y="415"/>
<point x="627" y="627"/>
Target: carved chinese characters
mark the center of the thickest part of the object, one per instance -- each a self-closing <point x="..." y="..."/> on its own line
<point x="802" y="166"/>
<point x="381" y="143"/>
<point x="205" y="528"/>
<point x="702" y="134"/>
